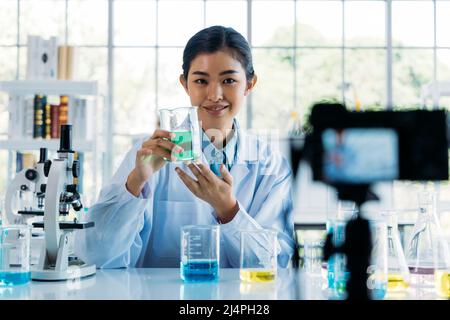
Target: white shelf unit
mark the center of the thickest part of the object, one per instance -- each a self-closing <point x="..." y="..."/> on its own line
<point x="16" y="90"/>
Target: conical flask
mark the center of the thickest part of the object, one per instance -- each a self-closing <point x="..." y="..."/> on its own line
<point x="423" y="242"/>
<point x="398" y="273"/>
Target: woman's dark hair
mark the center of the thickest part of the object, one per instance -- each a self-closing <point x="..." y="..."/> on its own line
<point x="219" y="38"/>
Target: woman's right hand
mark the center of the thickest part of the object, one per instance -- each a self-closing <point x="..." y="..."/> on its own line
<point x="150" y="158"/>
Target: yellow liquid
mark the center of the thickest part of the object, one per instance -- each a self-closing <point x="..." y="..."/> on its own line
<point x="442" y="281"/>
<point x="396" y="283"/>
<point x="257" y="275"/>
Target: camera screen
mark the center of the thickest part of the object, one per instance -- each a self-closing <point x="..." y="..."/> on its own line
<point x="360" y="155"/>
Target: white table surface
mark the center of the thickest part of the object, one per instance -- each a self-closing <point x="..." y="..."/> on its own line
<point x="165" y="284"/>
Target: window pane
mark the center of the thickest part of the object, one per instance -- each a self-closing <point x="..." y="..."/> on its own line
<point x="365" y="23"/>
<point x="443" y="64"/>
<point x="365" y="74"/>
<point x="273" y="23"/>
<point x="134" y="88"/>
<point x="229" y="14"/>
<point x="412" y="23"/>
<point x="134" y="22"/>
<point x="170" y="91"/>
<point x="8" y="63"/>
<point x="8" y="22"/>
<point x="411" y="70"/>
<point x="178" y="21"/>
<point x="273" y="96"/>
<point x="319" y="23"/>
<point x="443" y="23"/>
<point x="91" y="65"/>
<point x="88" y="22"/>
<point x="319" y="76"/>
<point x="45" y="18"/>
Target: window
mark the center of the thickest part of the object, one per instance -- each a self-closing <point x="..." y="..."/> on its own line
<point x="304" y="51"/>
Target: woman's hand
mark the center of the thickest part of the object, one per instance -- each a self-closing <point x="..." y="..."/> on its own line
<point x="150" y="158"/>
<point x="216" y="191"/>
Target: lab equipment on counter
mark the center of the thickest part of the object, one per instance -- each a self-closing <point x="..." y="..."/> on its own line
<point x="399" y="277"/>
<point x="14" y="255"/>
<point x="200" y="253"/>
<point x="184" y="123"/>
<point x="56" y="261"/>
<point x="378" y="270"/>
<point x="442" y="266"/>
<point x="19" y="208"/>
<point x="258" y="261"/>
<point x="423" y="242"/>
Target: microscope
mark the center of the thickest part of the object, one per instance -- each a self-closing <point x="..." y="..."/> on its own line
<point x="56" y="261"/>
<point x="28" y="181"/>
<point x="351" y="151"/>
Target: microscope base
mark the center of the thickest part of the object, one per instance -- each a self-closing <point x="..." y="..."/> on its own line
<point x="73" y="272"/>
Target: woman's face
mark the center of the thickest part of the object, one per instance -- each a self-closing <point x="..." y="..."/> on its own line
<point x="217" y="84"/>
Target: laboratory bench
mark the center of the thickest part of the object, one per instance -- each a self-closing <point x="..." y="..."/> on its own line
<point x="165" y="284"/>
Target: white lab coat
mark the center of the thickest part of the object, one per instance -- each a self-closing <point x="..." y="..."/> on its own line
<point x="144" y="231"/>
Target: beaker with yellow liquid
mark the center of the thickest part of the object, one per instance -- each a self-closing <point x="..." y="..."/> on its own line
<point x="258" y="260"/>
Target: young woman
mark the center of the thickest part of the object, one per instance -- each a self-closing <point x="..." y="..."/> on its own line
<point x="240" y="183"/>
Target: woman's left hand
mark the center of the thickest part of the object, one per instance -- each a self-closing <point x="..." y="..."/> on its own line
<point x="218" y="192"/>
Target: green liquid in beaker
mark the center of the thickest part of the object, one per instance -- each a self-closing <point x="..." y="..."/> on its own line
<point x="184" y="140"/>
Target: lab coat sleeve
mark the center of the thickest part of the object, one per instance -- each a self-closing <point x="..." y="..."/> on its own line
<point x="119" y="217"/>
<point x="271" y="209"/>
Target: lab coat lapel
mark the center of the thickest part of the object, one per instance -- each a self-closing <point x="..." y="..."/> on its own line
<point x="246" y="154"/>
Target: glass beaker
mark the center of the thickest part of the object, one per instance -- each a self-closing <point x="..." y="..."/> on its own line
<point x="423" y="241"/>
<point x="378" y="269"/>
<point x="398" y="273"/>
<point x="337" y="274"/>
<point x="258" y="260"/>
<point x="312" y="254"/>
<point x="184" y="123"/>
<point x="200" y="253"/>
<point x="442" y="265"/>
<point x="15" y="255"/>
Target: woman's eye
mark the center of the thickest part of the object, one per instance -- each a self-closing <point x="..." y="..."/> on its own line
<point x="200" y="81"/>
<point x="229" y="81"/>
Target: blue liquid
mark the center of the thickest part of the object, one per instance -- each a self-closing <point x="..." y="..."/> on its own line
<point x="14" y="278"/>
<point x="379" y="292"/>
<point x="200" y="271"/>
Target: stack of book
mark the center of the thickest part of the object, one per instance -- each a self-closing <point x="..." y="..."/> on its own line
<point x="46" y="60"/>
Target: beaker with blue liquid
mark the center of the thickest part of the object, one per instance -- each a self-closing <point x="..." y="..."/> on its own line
<point x="14" y="255"/>
<point x="200" y="253"/>
<point x="337" y="273"/>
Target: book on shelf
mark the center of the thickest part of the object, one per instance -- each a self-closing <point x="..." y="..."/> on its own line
<point x="39" y="116"/>
<point x="42" y="58"/>
<point x="66" y="62"/>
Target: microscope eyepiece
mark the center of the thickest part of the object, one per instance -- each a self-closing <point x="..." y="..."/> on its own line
<point x="65" y="142"/>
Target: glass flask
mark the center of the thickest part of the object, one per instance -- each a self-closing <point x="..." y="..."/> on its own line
<point x="378" y="269"/>
<point x="398" y="273"/>
<point x="337" y="274"/>
<point x="423" y="241"/>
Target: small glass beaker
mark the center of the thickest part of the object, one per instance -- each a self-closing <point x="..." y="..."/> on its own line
<point x="337" y="274"/>
<point x="377" y="281"/>
<point x="312" y="255"/>
<point x="184" y="123"/>
<point x="442" y="265"/>
<point x="15" y="255"/>
<point x="200" y="253"/>
<point x="258" y="261"/>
